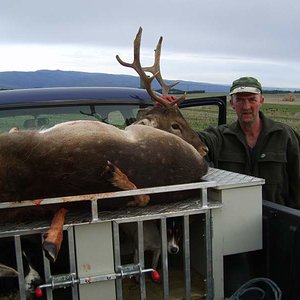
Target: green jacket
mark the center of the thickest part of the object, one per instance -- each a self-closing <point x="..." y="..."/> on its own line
<point x="276" y="157"/>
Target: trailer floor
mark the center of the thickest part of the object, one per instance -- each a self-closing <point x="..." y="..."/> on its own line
<point x="154" y="291"/>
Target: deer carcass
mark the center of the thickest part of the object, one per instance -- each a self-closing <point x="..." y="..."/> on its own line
<point x="85" y="157"/>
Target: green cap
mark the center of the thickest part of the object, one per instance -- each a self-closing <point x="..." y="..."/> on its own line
<point x="246" y="85"/>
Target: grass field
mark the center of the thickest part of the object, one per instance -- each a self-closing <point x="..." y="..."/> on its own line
<point x="274" y="107"/>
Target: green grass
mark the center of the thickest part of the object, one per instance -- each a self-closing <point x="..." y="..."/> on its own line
<point x="200" y="118"/>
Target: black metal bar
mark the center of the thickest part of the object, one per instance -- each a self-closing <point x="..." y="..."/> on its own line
<point x="209" y="261"/>
<point x="117" y="256"/>
<point x="164" y="257"/>
<point x="187" y="255"/>
<point x="140" y="232"/>
<point x="47" y="273"/>
<point x="72" y="259"/>
<point x="19" y="259"/>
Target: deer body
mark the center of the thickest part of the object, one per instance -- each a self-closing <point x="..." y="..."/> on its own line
<point x="69" y="158"/>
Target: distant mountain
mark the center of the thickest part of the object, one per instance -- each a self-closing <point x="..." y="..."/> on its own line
<point x="57" y="78"/>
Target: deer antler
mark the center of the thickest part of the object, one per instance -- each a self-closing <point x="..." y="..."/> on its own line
<point x="155" y="70"/>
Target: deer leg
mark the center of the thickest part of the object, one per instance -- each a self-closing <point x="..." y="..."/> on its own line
<point x="54" y="236"/>
<point x="118" y="179"/>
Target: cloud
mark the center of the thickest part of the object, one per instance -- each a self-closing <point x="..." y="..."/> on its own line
<point x="212" y="41"/>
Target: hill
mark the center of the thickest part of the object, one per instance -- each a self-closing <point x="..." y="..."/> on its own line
<point x="57" y="78"/>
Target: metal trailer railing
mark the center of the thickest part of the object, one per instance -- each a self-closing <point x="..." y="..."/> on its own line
<point x="199" y="206"/>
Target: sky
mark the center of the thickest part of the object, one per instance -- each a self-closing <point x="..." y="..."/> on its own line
<point x="213" y="41"/>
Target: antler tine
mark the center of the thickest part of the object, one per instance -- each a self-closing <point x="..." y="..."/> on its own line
<point x="155" y="70"/>
<point x="136" y="65"/>
<point x="136" y="59"/>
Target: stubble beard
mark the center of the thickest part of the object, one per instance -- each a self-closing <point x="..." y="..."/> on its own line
<point x="245" y="120"/>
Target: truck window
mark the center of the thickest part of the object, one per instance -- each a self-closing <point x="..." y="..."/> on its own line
<point x="45" y="117"/>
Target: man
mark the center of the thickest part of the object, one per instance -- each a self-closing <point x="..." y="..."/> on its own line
<point x="256" y="145"/>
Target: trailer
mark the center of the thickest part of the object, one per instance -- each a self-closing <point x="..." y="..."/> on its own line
<point x="93" y="246"/>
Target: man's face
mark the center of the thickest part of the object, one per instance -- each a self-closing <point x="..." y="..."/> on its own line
<point x="247" y="106"/>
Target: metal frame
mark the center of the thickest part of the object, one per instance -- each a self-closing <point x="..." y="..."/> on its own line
<point x="200" y="205"/>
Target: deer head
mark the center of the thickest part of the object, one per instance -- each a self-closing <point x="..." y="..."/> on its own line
<point x="167" y="116"/>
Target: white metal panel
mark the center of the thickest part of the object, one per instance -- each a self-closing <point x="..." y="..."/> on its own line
<point x="242" y="219"/>
<point x="94" y="252"/>
<point x="218" y="254"/>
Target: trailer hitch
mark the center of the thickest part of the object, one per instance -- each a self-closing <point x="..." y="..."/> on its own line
<point x="69" y="280"/>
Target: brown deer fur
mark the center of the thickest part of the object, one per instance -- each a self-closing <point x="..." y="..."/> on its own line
<point x="68" y="159"/>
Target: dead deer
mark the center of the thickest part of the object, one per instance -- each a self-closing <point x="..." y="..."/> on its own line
<point x="86" y="157"/>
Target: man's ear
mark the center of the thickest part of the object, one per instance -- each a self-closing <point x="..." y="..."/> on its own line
<point x="262" y="100"/>
<point x="231" y="103"/>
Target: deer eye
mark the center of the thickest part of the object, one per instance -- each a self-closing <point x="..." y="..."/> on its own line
<point x="175" y="126"/>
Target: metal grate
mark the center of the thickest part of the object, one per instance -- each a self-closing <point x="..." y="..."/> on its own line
<point x="160" y="212"/>
<point x="226" y="179"/>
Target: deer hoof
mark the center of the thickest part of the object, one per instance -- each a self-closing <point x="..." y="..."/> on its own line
<point x="141" y="201"/>
<point x="50" y="251"/>
<point x="108" y="170"/>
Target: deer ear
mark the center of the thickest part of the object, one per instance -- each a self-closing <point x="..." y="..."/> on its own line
<point x="141" y="113"/>
<point x="147" y="122"/>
